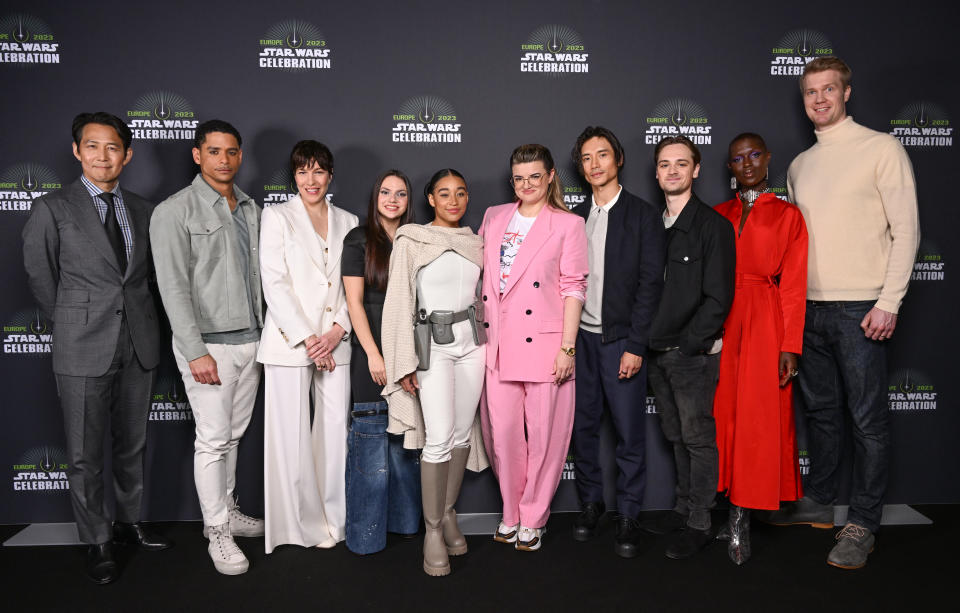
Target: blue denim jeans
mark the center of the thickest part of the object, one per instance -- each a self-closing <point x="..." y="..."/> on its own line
<point x="383" y="482"/>
<point x="840" y="367"/>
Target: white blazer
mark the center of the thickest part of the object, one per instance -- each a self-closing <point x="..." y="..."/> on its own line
<point x="304" y="296"/>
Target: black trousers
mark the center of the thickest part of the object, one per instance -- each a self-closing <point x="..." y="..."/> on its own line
<point x="118" y="400"/>
<point x="598" y="388"/>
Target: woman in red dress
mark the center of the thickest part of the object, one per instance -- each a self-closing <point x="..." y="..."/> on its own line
<point x="763" y="337"/>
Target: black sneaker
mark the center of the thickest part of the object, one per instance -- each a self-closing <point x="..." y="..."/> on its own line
<point x="687" y="543"/>
<point x="628" y="537"/>
<point x="585" y="528"/>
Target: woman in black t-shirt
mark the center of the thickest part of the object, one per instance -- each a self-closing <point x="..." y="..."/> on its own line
<point x="383" y="478"/>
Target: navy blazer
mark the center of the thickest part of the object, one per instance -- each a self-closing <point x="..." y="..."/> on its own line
<point x="633" y="270"/>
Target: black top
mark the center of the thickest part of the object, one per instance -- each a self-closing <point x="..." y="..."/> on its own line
<point x="633" y="257"/>
<point x="352" y="264"/>
<point x="699" y="280"/>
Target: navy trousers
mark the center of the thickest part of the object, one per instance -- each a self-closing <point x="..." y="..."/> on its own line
<point x="598" y="389"/>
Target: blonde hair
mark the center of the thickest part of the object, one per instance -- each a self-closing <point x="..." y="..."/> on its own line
<point x="825" y="63"/>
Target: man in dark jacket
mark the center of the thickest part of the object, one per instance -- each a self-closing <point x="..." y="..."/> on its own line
<point x="626" y="247"/>
<point x="686" y="338"/>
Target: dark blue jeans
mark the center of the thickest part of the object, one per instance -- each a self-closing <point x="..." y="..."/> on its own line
<point x="383" y="482"/>
<point x="684" y="386"/>
<point x="841" y="367"/>
<point x="598" y="386"/>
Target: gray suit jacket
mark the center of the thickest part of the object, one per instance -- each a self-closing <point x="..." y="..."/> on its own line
<point x="76" y="281"/>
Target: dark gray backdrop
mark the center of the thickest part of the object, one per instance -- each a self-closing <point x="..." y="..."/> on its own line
<point x="645" y="65"/>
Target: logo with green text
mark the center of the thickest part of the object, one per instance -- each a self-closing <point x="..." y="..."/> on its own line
<point x="294" y="46"/>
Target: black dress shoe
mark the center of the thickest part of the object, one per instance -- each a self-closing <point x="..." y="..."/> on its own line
<point x="628" y="537"/>
<point x="665" y="523"/>
<point x="136" y="534"/>
<point x="585" y="527"/>
<point x="101" y="567"/>
<point x="687" y="543"/>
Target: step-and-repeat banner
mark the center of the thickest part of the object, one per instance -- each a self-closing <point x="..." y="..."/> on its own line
<point x="420" y="86"/>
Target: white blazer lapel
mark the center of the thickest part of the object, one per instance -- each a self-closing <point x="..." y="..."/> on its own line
<point x="336" y="230"/>
<point x="303" y="232"/>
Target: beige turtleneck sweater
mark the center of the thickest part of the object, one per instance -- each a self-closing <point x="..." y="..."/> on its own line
<point x="856" y="191"/>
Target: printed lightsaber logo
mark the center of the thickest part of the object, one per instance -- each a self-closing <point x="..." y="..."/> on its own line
<point x="921" y="119"/>
<point x="20" y="34"/>
<point x="556" y="44"/>
<point x="28" y="182"/>
<point x="37" y="325"/>
<point x="425" y="115"/>
<point x="292" y="39"/>
<point x="679" y="118"/>
<point x="162" y="111"/>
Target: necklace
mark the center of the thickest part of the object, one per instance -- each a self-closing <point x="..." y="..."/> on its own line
<point x="749" y="195"/>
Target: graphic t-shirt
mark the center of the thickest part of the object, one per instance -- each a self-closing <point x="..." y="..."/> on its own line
<point x="513" y="237"/>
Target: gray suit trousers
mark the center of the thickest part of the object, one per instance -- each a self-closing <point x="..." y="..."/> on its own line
<point x="118" y="399"/>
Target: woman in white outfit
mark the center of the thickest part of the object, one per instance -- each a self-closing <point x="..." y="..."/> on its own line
<point x="434" y="271"/>
<point x="304" y="347"/>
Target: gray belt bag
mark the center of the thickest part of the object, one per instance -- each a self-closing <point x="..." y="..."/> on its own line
<point x="438" y="327"/>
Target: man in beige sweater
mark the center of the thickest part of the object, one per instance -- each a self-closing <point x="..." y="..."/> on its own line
<point x="856" y="190"/>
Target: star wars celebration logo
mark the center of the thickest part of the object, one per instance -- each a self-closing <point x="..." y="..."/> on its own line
<point x="778" y="186"/>
<point x="294" y="46"/>
<point x="555" y="50"/>
<point x="21" y="184"/>
<point x="677" y="116"/>
<point x="26" y="40"/>
<point x="27" y="333"/>
<point x="572" y="188"/>
<point x="911" y="390"/>
<point x="569" y="466"/>
<point x="651" y="405"/>
<point x="41" y="469"/>
<point x="796" y="49"/>
<point x="929" y="265"/>
<point x="162" y="115"/>
<point x="169" y="402"/>
<point x="922" y="125"/>
<point x="804" y="461"/>
<point x="281" y="187"/>
<point x="426" y="120"/>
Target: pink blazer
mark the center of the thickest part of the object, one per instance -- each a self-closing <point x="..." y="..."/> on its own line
<point x="525" y="323"/>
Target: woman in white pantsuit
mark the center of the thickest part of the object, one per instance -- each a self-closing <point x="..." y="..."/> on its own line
<point x="304" y="345"/>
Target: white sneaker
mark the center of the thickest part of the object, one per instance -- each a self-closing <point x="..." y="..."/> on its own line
<point x="223" y="550"/>
<point x="529" y="539"/>
<point x="505" y="533"/>
<point x="241" y="524"/>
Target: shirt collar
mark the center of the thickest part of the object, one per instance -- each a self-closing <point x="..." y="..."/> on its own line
<point x="606" y="208"/>
<point x="212" y="196"/>
<point x="93" y="190"/>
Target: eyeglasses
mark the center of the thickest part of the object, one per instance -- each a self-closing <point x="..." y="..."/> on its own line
<point x="534" y="180"/>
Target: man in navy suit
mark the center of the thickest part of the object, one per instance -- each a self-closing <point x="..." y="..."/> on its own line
<point x="626" y="251"/>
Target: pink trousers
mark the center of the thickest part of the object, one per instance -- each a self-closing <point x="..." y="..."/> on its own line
<point x="526" y="430"/>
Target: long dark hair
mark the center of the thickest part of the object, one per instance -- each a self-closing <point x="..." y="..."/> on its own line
<point x="376" y="265"/>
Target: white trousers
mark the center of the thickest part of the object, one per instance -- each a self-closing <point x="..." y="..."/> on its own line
<point x="450" y="393"/>
<point x="304" y="466"/>
<point x="221" y="414"/>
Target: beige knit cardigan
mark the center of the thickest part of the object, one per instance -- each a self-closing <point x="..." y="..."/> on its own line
<point x="414" y="247"/>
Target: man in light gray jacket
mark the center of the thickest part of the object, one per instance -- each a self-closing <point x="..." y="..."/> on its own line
<point x="205" y="241"/>
<point x="87" y="257"/>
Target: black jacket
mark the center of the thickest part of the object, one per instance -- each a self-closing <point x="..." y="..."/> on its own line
<point x="633" y="271"/>
<point x="699" y="280"/>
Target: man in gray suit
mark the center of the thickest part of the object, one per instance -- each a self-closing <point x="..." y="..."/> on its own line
<point x="86" y="251"/>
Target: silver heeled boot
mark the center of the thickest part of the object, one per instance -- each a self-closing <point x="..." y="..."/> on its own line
<point x="738" y="547"/>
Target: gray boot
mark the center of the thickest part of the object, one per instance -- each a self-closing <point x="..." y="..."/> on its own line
<point x="456" y="544"/>
<point x="433" y="482"/>
<point x="738" y="547"/>
<point x="804" y="511"/>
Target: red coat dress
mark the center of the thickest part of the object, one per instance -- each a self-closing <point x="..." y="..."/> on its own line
<point x="756" y="434"/>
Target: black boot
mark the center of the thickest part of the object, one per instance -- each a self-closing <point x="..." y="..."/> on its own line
<point x="739" y="527"/>
<point x="101" y="567"/>
<point x="585" y="527"/>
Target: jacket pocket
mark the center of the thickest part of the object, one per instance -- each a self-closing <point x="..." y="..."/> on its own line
<point x="73" y="296"/>
<point x="206" y="239"/>
<point x="69" y="315"/>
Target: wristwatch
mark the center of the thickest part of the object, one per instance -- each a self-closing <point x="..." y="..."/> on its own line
<point x="570" y="351"/>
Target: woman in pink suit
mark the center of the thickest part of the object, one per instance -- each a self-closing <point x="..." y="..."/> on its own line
<point x="534" y="281"/>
